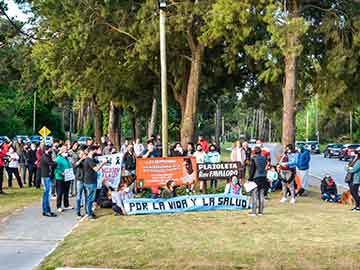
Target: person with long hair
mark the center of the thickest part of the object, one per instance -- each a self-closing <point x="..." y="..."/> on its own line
<point x="238" y="154"/>
<point x="354" y="168"/>
<point x="13" y="167"/>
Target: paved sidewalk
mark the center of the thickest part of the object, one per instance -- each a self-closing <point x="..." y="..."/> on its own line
<point x="26" y="237"/>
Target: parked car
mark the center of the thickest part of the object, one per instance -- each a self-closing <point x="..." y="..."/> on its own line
<point x="83" y="139"/>
<point x="25" y="139"/>
<point x="4" y="139"/>
<point x="313" y="147"/>
<point x="36" y="139"/>
<point x="332" y="150"/>
<point x="347" y="151"/>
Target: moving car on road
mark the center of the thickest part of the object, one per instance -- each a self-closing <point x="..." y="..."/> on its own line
<point x="347" y="151"/>
<point x="332" y="150"/>
<point x="313" y="147"/>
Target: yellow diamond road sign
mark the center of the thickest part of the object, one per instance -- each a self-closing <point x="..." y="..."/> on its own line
<point x="44" y="131"/>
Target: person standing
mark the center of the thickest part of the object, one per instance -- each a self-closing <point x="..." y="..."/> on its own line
<point x="288" y="172"/>
<point x="79" y="178"/>
<point x="31" y="157"/>
<point x="303" y="165"/>
<point x="90" y="179"/>
<point x="138" y="147"/>
<point x="204" y="144"/>
<point x="177" y="151"/>
<point x="62" y="186"/>
<point x="150" y="151"/>
<point x="200" y="157"/>
<point x="212" y="156"/>
<point x="354" y="169"/>
<point x="107" y="149"/>
<point x="39" y="153"/>
<point x="2" y="165"/>
<point x="258" y="175"/>
<point x="46" y="166"/>
<point x="238" y="154"/>
<point x="73" y="158"/>
<point x="124" y="146"/>
<point x="190" y="149"/>
<point x="13" y="167"/>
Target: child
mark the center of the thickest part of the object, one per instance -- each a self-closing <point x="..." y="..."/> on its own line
<point x="329" y="190"/>
<point x="277" y="184"/>
<point x="272" y="176"/>
<point x="233" y="186"/>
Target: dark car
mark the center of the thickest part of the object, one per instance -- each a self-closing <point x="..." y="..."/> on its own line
<point x="332" y="150"/>
<point x="313" y="147"/>
<point x="347" y="151"/>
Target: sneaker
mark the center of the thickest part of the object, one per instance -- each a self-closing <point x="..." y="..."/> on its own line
<point x="92" y="217"/>
<point x="283" y="200"/>
<point x="356" y="209"/>
<point x="251" y="215"/>
<point x="80" y="215"/>
<point x="260" y="214"/>
<point x="69" y="207"/>
<point x="60" y="210"/>
<point x="53" y="214"/>
<point x="49" y="215"/>
<point x="293" y="201"/>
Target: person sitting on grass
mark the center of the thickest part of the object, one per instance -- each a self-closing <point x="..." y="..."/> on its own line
<point x="169" y="191"/>
<point x="233" y="186"/>
<point x="118" y="198"/>
<point x="328" y="189"/>
<point x="104" y="199"/>
<point x="272" y="176"/>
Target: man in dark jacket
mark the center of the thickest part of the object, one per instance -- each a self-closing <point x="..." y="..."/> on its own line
<point x="328" y="189"/>
<point x="258" y="175"/>
<point x="46" y="166"/>
<point x="79" y="177"/>
<point x="31" y="159"/>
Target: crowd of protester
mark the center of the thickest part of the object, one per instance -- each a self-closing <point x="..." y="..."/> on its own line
<point x="37" y="164"/>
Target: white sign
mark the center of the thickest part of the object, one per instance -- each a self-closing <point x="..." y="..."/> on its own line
<point x="111" y="170"/>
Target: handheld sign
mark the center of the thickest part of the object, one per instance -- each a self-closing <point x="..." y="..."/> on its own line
<point x="44" y="132"/>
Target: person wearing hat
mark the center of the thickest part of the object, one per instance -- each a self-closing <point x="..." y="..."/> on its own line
<point x="303" y="166"/>
<point x="328" y="189"/>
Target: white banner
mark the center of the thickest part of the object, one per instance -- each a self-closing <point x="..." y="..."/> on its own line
<point x="111" y="170"/>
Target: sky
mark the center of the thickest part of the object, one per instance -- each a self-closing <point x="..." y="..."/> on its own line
<point x="14" y="11"/>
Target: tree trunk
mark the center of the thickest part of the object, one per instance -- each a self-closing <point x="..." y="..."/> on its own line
<point x="189" y="115"/>
<point x="98" y="122"/>
<point x="152" y="120"/>
<point x="137" y="127"/>
<point x="289" y="89"/>
<point x="217" y="122"/>
<point x="114" y="125"/>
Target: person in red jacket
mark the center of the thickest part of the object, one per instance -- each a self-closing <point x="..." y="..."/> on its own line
<point x="204" y="144"/>
<point x="2" y="165"/>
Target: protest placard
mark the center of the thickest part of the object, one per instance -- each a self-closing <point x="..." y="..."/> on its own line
<point x="220" y="170"/>
<point x="209" y="202"/>
<point x="111" y="170"/>
<point x="152" y="172"/>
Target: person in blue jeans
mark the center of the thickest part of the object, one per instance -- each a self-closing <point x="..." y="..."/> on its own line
<point x="79" y="177"/>
<point x="91" y="167"/>
<point x="46" y="167"/>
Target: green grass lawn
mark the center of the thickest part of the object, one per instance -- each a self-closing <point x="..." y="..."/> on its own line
<point x="310" y="235"/>
<point x="17" y="198"/>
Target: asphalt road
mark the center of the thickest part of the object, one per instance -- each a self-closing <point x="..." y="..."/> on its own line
<point x="320" y="166"/>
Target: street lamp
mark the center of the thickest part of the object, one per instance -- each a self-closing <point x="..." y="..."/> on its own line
<point x="164" y="105"/>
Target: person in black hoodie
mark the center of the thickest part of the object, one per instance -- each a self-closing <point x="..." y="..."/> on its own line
<point x="104" y="200"/>
<point x="328" y="189"/>
<point x="31" y="159"/>
<point x="46" y="168"/>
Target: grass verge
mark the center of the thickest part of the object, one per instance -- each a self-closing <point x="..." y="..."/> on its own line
<point x="16" y="198"/>
<point x="310" y="235"/>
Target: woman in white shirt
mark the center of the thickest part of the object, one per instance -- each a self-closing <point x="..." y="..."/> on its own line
<point x="200" y="156"/>
<point x="13" y="167"/>
<point x="238" y="154"/>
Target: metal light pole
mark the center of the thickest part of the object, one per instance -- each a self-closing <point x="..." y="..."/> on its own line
<point x="164" y="105"/>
